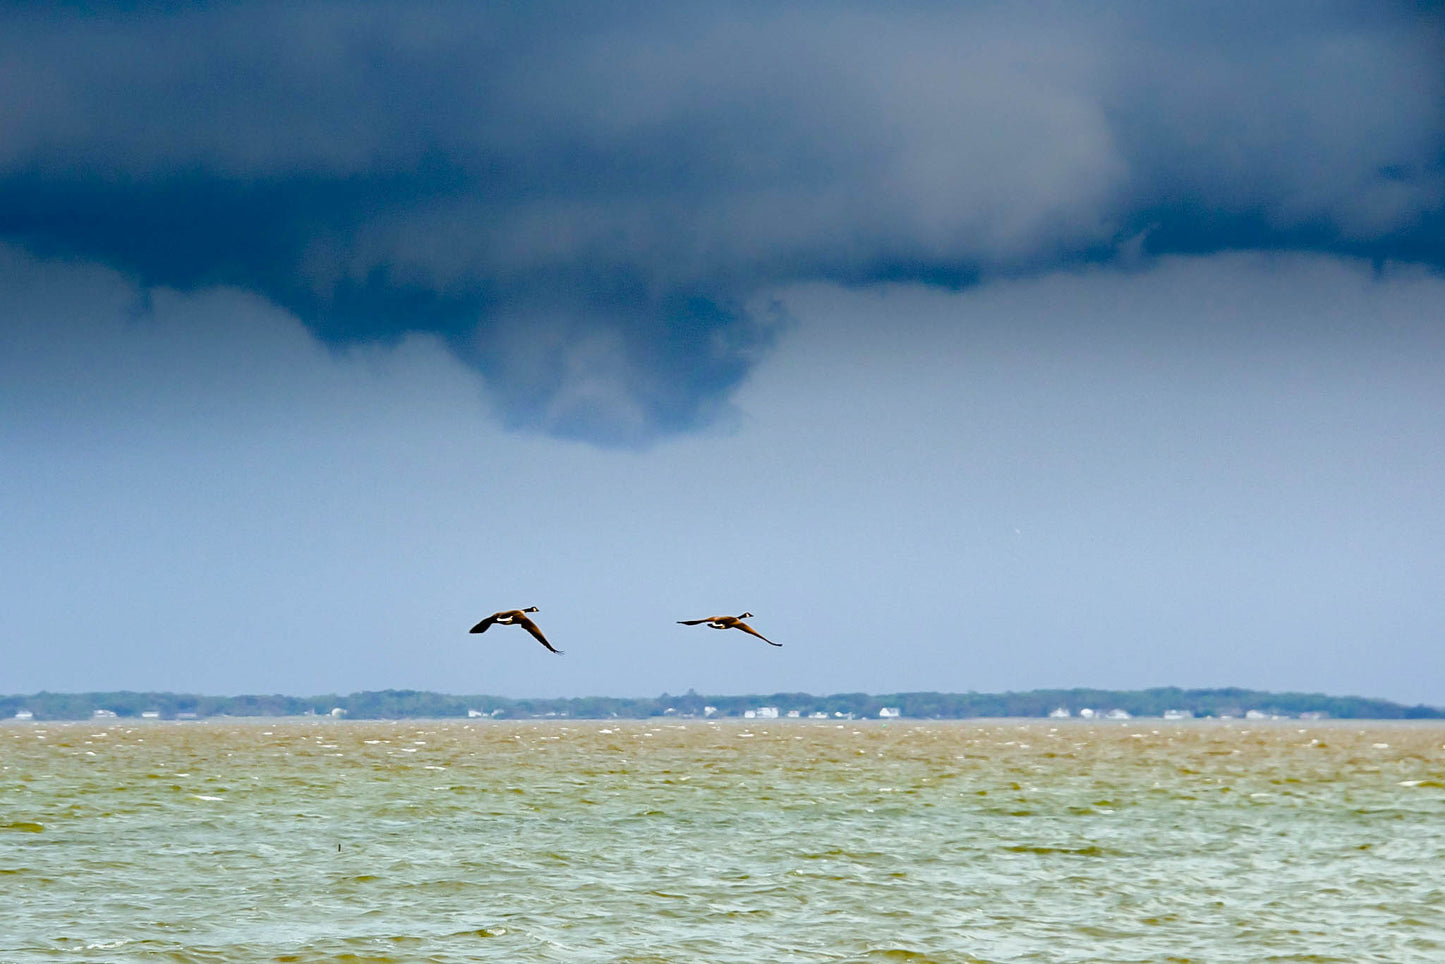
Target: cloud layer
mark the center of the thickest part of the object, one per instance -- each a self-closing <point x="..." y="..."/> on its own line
<point x="1027" y="483"/>
<point x="591" y="206"/>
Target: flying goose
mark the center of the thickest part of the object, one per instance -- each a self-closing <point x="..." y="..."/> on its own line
<point x="515" y="617"/>
<point x="730" y="622"/>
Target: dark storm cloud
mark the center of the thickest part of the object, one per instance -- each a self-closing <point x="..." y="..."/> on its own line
<point x="587" y="201"/>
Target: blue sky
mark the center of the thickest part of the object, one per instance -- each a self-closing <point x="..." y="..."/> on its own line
<point x="970" y="347"/>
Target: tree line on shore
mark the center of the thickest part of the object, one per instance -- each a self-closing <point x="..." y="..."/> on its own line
<point x="406" y="704"/>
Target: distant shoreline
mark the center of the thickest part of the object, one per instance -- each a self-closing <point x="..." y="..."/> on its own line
<point x="1162" y="703"/>
<point x="1324" y="723"/>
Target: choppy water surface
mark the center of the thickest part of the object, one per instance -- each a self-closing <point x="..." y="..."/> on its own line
<point x="730" y="841"/>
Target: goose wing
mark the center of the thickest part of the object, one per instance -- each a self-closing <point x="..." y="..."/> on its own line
<point x="531" y="627"/>
<point x="739" y="624"/>
<point x="698" y="622"/>
<point x="481" y="627"/>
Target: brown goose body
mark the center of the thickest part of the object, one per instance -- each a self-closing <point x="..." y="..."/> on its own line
<point x="729" y="622"/>
<point x="515" y="617"/>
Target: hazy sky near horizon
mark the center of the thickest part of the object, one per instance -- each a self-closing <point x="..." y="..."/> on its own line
<point x="971" y="347"/>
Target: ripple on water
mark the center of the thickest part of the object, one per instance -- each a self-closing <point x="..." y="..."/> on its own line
<point x="719" y="841"/>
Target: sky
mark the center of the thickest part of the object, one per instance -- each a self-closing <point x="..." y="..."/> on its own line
<point x="969" y="346"/>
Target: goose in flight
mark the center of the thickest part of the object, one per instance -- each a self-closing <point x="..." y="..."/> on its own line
<point x="515" y="617"/>
<point x="730" y="622"/>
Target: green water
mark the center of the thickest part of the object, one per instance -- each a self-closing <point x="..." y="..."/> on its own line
<point x="731" y="841"/>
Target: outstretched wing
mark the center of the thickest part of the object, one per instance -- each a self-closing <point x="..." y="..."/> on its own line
<point x="531" y="627"/>
<point x="481" y="627"/>
<point x="748" y="629"/>
<point x="696" y="622"/>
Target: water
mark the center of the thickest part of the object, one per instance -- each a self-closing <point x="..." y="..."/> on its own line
<point x="722" y="841"/>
